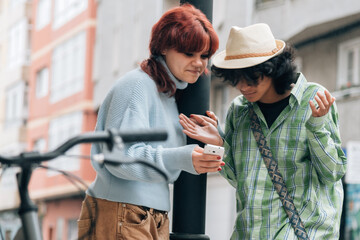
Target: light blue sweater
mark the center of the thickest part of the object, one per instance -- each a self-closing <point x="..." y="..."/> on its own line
<point x="135" y="103"/>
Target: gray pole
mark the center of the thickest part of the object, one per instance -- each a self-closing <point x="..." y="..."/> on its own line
<point x="189" y="204"/>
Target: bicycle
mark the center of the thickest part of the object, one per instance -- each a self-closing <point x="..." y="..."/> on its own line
<point x="28" y="161"/>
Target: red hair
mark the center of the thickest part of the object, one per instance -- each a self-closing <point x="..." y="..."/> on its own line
<point x="185" y="29"/>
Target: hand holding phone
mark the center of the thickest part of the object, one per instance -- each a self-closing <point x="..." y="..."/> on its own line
<point x="214" y="150"/>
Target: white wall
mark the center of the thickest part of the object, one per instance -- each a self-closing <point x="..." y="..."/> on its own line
<point x="220" y="208"/>
<point x="122" y="40"/>
<point x="288" y="17"/>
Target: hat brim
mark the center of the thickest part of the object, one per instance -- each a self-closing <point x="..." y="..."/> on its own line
<point x="220" y="62"/>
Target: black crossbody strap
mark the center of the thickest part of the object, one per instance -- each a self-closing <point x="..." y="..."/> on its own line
<point x="276" y="177"/>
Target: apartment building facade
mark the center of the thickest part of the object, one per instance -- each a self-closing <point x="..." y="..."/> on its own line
<point x="15" y="26"/>
<point x="60" y="106"/>
<point x="54" y="80"/>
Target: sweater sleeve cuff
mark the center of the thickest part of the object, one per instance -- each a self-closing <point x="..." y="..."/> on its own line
<point x="180" y="158"/>
<point x="315" y="123"/>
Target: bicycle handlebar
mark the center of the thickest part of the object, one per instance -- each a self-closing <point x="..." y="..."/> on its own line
<point x="26" y="160"/>
<point x="110" y="137"/>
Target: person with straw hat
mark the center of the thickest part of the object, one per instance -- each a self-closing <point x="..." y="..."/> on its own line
<point x="282" y="143"/>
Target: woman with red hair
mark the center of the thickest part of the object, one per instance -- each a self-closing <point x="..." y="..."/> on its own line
<point x="131" y="201"/>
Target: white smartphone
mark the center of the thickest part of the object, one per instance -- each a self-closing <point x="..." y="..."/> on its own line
<point x="214" y="150"/>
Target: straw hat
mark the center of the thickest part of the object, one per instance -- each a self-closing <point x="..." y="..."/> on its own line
<point x="248" y="47"/>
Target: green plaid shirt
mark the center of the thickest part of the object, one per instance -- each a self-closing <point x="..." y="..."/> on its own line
<point x="310" y="158"/>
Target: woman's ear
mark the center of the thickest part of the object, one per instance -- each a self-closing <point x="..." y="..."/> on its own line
<point x="164" y="52"/>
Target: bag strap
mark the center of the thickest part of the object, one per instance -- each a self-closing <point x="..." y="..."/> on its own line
<point x="276" y="177"/>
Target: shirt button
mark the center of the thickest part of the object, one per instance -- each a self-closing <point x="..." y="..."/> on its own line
<point x="120" y="224"/>
<point x="124" y="205"/>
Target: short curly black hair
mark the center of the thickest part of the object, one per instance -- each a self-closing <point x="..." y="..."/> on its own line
<point x="281" y="69"/>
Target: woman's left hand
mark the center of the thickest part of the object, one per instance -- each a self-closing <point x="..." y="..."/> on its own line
<point x="324" y="103"/>
<point x="201" y="128"/>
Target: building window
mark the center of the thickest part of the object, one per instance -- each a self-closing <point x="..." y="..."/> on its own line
<point x="60" y="130"/>
<point x="50" y="232"/>
<point x="43" y="13"/>
<point x="349" y="64"/>
<point x="14" y="105"/>
<point x="64" y="11"/>
<point x="16" y="3"/>
<point x="42" y="82"/>
<point x="59" y="228"/>
<point x="72" y="229"/>
<point x="18" y="37"/>
<point x="68" y="67"/>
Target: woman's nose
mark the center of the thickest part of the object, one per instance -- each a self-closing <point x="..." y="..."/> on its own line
<point x="197" y="61"/>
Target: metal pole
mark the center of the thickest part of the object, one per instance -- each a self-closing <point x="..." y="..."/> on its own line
<point x="189" y="204"/>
